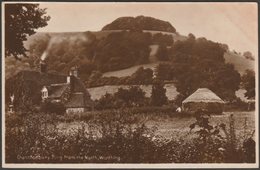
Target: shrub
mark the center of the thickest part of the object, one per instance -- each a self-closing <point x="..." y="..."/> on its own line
<point x="132" y="97"/>
<point x="50" y="107"/>
<point x="120" y="137"/>
<point x="236" y="105"/>
<point x="158" y="97"/>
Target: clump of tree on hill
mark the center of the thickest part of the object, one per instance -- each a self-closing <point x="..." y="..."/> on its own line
<point x="116" y="51"/>
<point x="162" y="39"/>
<point x="248" y="55"/>
<point x="142" y="76"/>
<point x="121" y="50"/>
<point x="132" y="97"/>
<point x="197" y="63"/>
<point x="140" y="23"/>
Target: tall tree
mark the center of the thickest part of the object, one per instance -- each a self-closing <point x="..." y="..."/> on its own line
<point x="158" y="97"/>
<point x="21" y="21"/>
<point x="198" y="63"/>
<point x="248" y="83"/>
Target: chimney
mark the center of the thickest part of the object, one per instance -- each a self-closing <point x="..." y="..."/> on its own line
<point x="74" y="71"/>
<point x="73" y="74"/>
<point x="68" y="79"/>
<point x="43" y="66"/>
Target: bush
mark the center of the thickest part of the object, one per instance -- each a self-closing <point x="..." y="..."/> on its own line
<point x="236" y="105"/>
<point x="50" y="107"/>
<point x="158" y="97"/>
<point x="121" y="137"/>
<point x="132" y="97"/>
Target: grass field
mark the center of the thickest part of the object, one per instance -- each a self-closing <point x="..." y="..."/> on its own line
<point x="176" y="126"/>
<point x="111" y="134"/>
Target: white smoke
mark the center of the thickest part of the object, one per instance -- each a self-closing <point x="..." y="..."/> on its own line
<point x="44" y="55"/>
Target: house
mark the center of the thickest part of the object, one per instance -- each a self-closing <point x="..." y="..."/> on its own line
<point x="72" y="94"/>
<point x="33" y="87"/>
<point x="204" y="99"/>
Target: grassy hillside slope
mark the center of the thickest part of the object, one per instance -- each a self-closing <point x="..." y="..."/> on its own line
<point x="240" y="62"/>
<point x="12" y="67"/>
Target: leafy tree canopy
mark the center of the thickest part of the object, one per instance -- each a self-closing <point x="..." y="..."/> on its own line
<point x="248" y="83"/>
<point x="21" y="21"/>
<point x="158" y="97"/>
<point x="198" y="63"/>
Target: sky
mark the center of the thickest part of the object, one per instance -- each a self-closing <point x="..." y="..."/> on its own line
<point x="235" y="24"/>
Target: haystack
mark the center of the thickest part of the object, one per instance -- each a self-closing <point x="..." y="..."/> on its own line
<point x="204" y="99"/>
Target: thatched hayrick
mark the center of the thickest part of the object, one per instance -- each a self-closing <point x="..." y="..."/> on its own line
<point x="204" y="99"/>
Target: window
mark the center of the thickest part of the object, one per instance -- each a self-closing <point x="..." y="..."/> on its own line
<point x="44" y="93"/>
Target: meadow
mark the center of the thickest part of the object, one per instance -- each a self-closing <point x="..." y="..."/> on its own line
<point x="171" y="125"/>
<point x="130" y="136"/>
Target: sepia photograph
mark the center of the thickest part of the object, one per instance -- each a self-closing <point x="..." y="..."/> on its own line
<point x="130" y="85"/>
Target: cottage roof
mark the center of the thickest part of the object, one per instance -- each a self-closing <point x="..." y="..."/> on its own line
<point x="56" y="90"/>
<point x="203" y="95"/>
<point x="76" y="100"/>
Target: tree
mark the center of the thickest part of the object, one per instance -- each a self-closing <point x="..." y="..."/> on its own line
<point x="163" y="71"/>
<point x="200" y="64"/>
<point x="191" y="36"/>
<point x="131" y="97"/>
<point x="158" y="97"/>
<point x="21" y="21"/>
<point x="142" y="76"/>
<point x="120" y="50"/>
<point x="162" y="53"/>
<point x="248" y="83"/>
<point x="248" y="55"/>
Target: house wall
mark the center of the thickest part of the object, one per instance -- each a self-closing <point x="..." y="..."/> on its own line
<point x="214" y="108"/>
<point x="75" y="110"/>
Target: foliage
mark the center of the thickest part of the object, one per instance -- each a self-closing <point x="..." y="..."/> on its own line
<point x="163" y="71"/>
<point x="248" y="83"/>
<point x="158" y="97"/>
<point x="213" y="147"/>
<point x="132" y="97"/>
<point x="142" y="76"/>
<point x="121" y="50"/>
<point x="139" y="23"/>
<point x="21" y="20"/>
<point x="66" y="52"/>
<point x="162" y="53"/>
<point x="120" y="137"/>
<point x="198" y="63"/>
<point x="49" y="107"/>
<point x="162" y="39"/>
<point x="248" y="55"/>
<point x="236" y="105"/>
<point x="27" y="93"/>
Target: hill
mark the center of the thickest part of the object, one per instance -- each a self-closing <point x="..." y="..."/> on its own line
<point x="119" y="49"/>
<point x="240" y="62"/>
<point x="12" y="67"/>
<point x="139" y="23"/>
